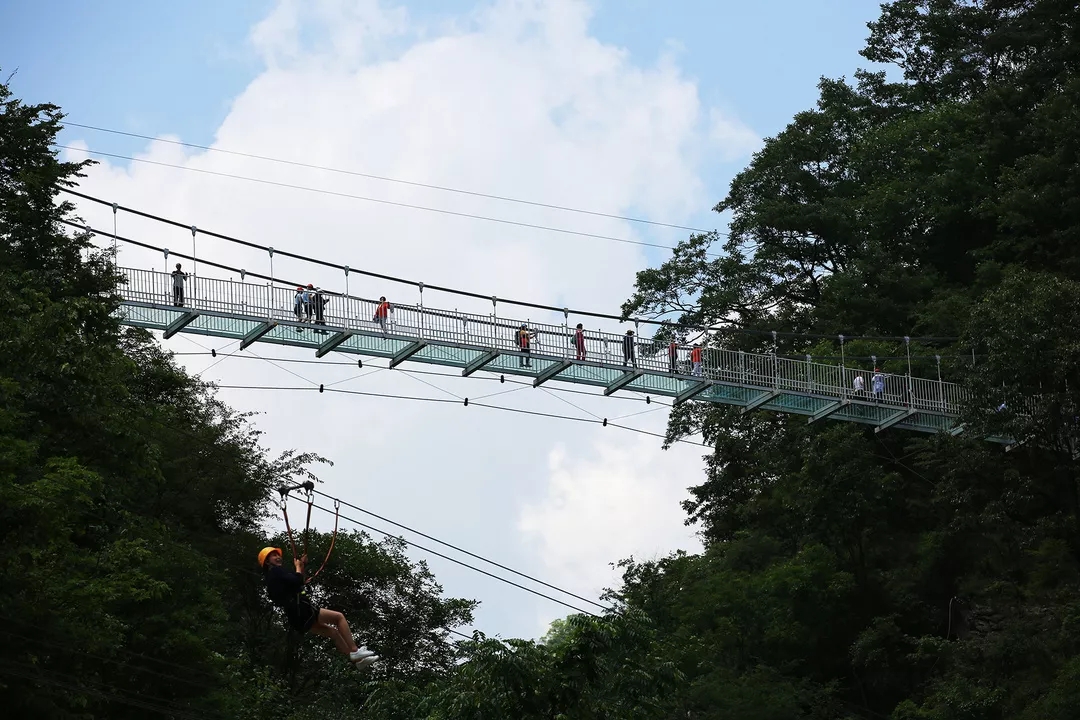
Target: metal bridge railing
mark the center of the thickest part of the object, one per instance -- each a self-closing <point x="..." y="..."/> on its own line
<point x="499" y="333"/>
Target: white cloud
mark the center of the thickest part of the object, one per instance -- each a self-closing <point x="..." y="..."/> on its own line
<point x="732" y="138"/>
<point x="618" y="500"/>
<point x="516" y="99"/>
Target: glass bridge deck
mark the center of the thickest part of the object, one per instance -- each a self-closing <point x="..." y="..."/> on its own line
<point x="253" y="313"/>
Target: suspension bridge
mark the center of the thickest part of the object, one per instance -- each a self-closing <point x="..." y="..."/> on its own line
<point x="265" y="313"/>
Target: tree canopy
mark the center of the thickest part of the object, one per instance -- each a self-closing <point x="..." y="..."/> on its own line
<point x="846" y="573"/>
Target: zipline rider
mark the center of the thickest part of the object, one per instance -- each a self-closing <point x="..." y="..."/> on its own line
<point x="286" y="590"/>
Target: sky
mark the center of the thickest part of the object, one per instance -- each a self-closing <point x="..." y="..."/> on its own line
<point x="633" y="108"/>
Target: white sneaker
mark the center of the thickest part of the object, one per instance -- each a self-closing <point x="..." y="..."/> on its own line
<point x="360" y="653"/>
<point x="361" y="664"/>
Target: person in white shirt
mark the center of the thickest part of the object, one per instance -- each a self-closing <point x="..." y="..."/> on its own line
<point x="877" y="385"/>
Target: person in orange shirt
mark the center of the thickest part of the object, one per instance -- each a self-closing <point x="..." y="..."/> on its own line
<point x="695" y="359"/>
<point x="381" y="312"/>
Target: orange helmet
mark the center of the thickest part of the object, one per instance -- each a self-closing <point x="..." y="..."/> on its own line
<point x="265" y="553"/>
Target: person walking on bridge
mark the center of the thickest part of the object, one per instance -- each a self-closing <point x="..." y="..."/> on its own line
<point x="524" y="337"/>
<point x="579" y="342"/>
<point x="877" y="385"/>
<point x="382" y="311"/>
<point x="298" y="304"/>
<point x="319" y="301"/>
<point x="628" y="349"/>
<point x="178" y="278"/>
<point x="695" y="359"/>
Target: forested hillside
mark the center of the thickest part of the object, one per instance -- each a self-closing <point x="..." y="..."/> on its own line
<point x="849" y="573"/>
<point x="846" y="574"/>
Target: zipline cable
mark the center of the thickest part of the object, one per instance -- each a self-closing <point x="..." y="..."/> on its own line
<point x="461" y="550"/>
<point x="235" y="568"/>
<point x="464" y="564"/>
<point x="453" y="291"/>
<point x="369" y="176"/>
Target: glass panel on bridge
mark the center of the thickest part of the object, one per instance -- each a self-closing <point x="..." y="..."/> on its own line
<point x="728" y="394"/>
<point x="798" y="404"/>
<point x="927" y="422"/>
<point x="865" y="413"/>
<point x="447" y="355"/>
<point x="657" y="384"/>
<point x="221" y="326"/>
<point x="591" y="375"/>
<point x="152" y="318"/>
<point x="374" y="345"/>
<point x="512" y="364"/>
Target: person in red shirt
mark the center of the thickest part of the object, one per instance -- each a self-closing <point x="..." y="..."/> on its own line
<point x="381" y="312"/>
<point x="695" y="359"/>
<point x="579" y="342"/>
<point x="523" y="338"/>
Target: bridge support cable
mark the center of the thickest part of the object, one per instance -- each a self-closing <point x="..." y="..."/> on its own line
<point x="464" y="293"/>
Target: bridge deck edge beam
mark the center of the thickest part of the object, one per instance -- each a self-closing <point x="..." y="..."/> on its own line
<point x="179" y="323"/>
<point x="480" y="363"/>
<point x="760" y="400"/>
<point x="692" y="392"/>
<point x="827" y="411"/>
<point x="333" y="342"/>
<point x="898" y="417"/>
<point x="408" y="352"/>
<point x="551" y="372"/>
<point x="622" y="382"/>
<point x="257" y="333"/>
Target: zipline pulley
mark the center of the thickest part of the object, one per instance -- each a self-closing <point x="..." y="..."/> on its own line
<point x="309" y="490"/>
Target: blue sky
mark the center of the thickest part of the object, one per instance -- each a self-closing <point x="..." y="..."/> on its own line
<point x="557" y="502"/>
<point x="157" y="68"/>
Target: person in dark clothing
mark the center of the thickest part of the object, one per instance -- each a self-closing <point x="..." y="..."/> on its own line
<point x="286" y="590"/>
<point x="628" y="349"/>
<point x="178" y="278"/>
<point x="320" y="302"/>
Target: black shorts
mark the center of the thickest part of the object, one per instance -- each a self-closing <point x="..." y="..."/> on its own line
<point x="302" y="616"/>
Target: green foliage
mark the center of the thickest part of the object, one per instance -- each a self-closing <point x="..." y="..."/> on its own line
<point x="945" y="570"/>
<point x="132" y="503"/>
<point x="846" y="574"/>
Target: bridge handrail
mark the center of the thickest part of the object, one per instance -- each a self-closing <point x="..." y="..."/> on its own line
<point x="499" y="333"/>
